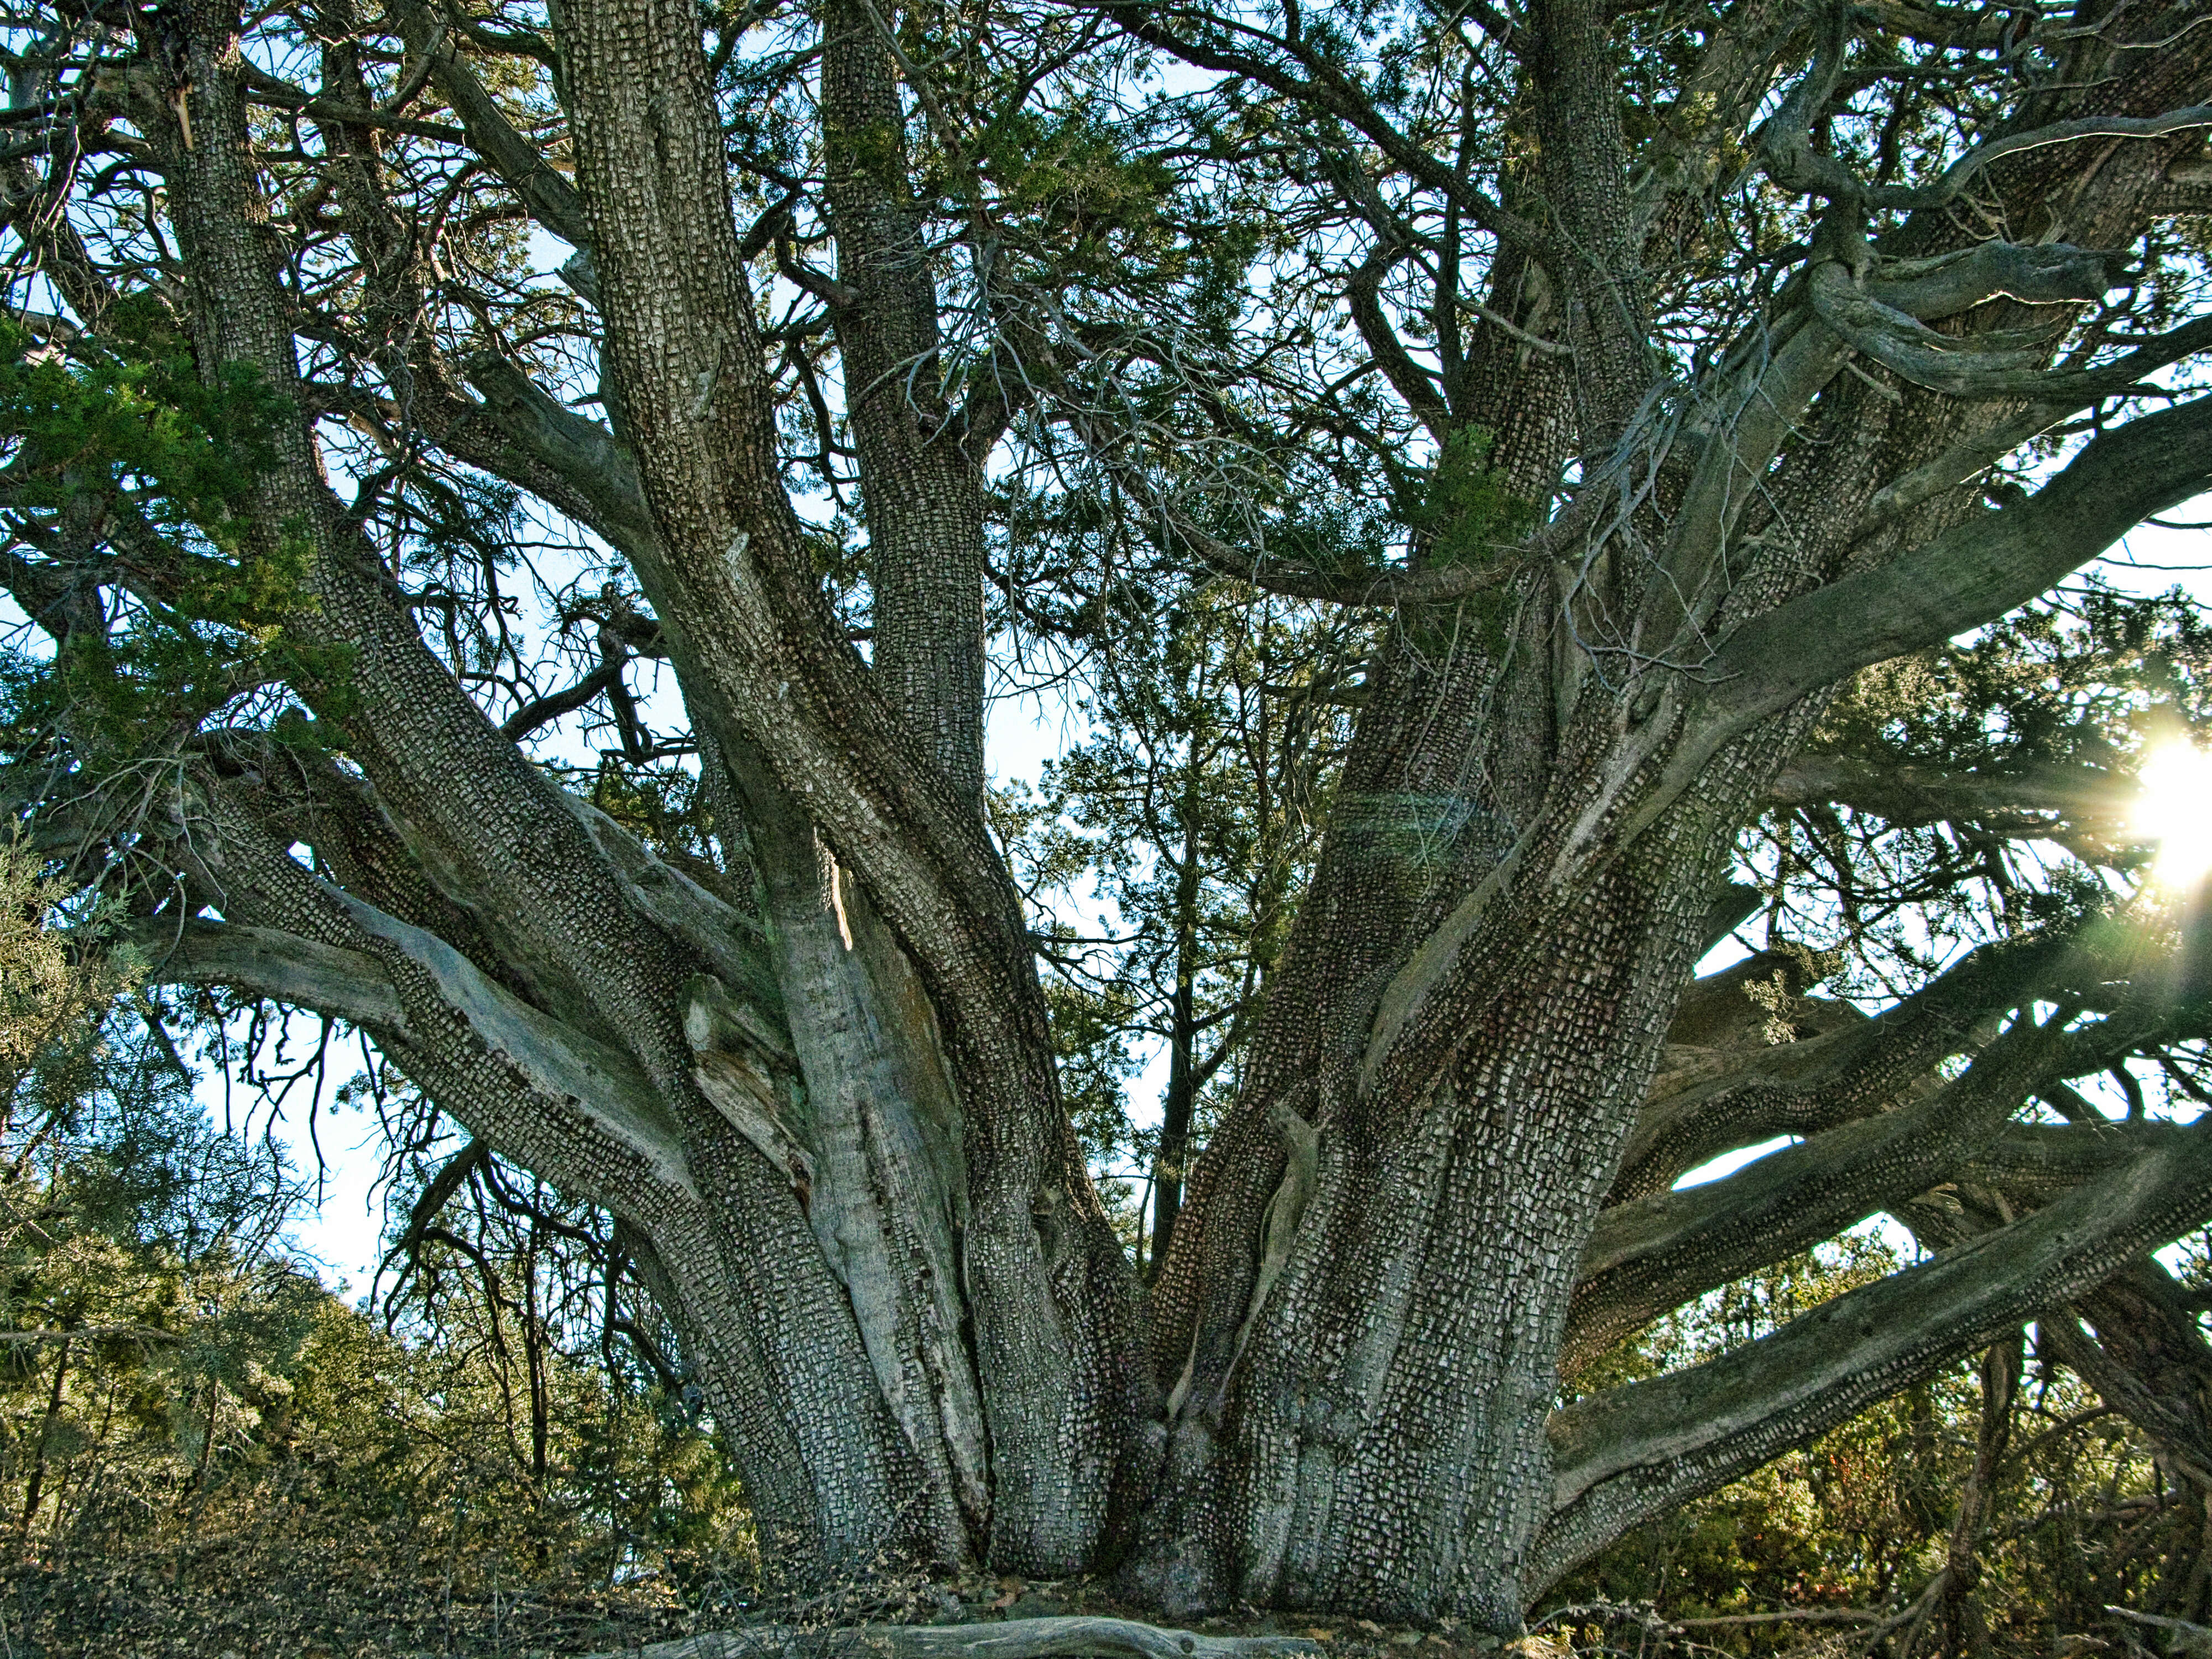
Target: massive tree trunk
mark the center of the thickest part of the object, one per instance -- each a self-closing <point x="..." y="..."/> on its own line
<point x="817" y="1080"/>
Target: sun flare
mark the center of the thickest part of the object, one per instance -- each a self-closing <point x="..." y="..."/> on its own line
<point x="2175" y="810"/>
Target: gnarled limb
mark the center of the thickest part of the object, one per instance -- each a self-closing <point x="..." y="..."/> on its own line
<point x="1363" y="292"/>
<point x="1656" y="1253"/>
<point x="1907" y="796"/>
<point x="265" y="962"/>
<point x="2034" y="273"/>
<point x="1724" y="1085"/>
<point x="1638" y="1450"/>
<point x="1965" y="577"/>
<point x="1980" y="366"/>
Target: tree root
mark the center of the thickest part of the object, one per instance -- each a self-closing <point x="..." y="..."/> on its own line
<point x="1011" y="1639"/>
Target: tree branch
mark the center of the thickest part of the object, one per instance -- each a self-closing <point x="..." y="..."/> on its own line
<point x="1656" y="1253"/>
<point x="1363" y="289"/>
<point x="1325" y="88"/>
<point x="575" y="1108"/>
<point x="552" y="199"/>
<point x="1971" y="574"/>
<point x="263" y="962"/>
<point x="1963" y="172"/>
<point x="1986" y="366"/>
<point x="1640" y="1450"/>
<point x="1909" y="796"/>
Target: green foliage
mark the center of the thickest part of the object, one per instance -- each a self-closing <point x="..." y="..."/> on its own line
<point x="1190" y="820"/>
<point x="2081" y="677"/>
<point x="186" y="1410"/>
<point x="118" y="440"/>
<point x="2079" y="685"/>
<point x="2084" y="1510"/>
<point x="127" y="411"/>
<point x="1460" y="510"/>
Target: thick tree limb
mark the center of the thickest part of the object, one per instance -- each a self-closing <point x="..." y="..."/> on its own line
<point x="543" y="711"/>
<point x="586" y="1115"/>
<point x="598" y="471"/>
<point x="1398" y="587"/>
<point x="2037" y="274"/>
<point x="1656" y="1253"/>
<point x="861" y="1202"/>
<point x="1968" y="576"/>
<point x="1981" y="365"/>
<point x="1971" y="575"/>
<point x="589" y="1078"/>
<point x="1597" y="251"/>
<point x="728" y="939"/>
<point x="272" y="91"/>
<point x="1909" y="796"/>
<point x="1724" y="1085"/>
<point x="743" y="590"/>
<point x="1766" y="406"/>
<point x="2037" y="1162"/>
<point x="535" y="1086"/>
<point x="552" y="199"/>
<point x="923" y="487"/>
<point x="1636" y="1451"/>
<point x="2147" y="1357"/>
<point x="1955" y="466"/>
<point x="348" y="985"/>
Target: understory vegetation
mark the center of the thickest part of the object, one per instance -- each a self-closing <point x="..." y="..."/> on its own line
<point x="202" y="1446"/>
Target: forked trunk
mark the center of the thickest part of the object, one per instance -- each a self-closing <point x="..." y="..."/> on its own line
<point x="1369" y="1432"/>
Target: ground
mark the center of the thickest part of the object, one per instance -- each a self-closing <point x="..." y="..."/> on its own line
<point x="264" y="1597"/>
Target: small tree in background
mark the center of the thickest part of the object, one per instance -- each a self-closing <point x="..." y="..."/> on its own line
<point x="198" y="1442"/>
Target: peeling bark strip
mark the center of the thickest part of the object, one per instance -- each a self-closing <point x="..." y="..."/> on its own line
<point x="811" y="1069"/>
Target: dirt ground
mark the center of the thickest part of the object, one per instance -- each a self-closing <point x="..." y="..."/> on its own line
<point x="242" y="1599"/>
